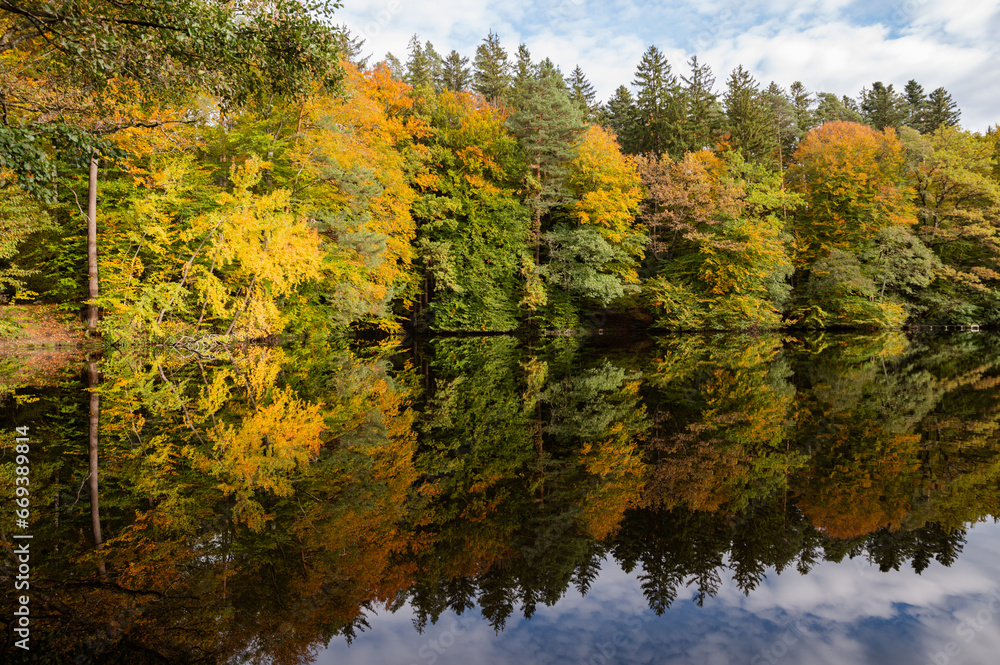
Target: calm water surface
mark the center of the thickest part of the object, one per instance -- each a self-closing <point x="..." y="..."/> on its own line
<point x="790" y="499"/>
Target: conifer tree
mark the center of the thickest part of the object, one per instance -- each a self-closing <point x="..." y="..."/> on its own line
<point x="916" y="105"/>
<point x="491" y="76"/>
<point x="802" y="102"/>
<point x="752" y="125"/>
<point x="582" y="94"/>
<point x="658" y="104"/>
<point x="455" y="72"/>
<point x="351" y="47"/>
<point x="785" y="125"/>
<point x="547" y="127"/>
<point x="883" y="107"/>
<point x="549" y="69"/>
<point x="831" y="108"/>
<point x="524" y="71"/>
<point x="941" y="111"/>
<point x="619" y="114"/>
<point x="394" y="66"/>
<point x="703" y="119"/>
<point x="435" y="66"/>
<point x="418" y="65"/>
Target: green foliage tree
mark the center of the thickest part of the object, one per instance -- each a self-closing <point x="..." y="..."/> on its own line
<point x="658" y="105"/>
<point x="491" y="70"/>
<point x="883" y="107"/>
<point x="582" y="94"/>
<point x="620" y="115"/>
<point x="703" y="120"/>
<point x="455" y="73"/>
<point x="547" y="127"/>
<point x="941" y="111"/>
<point x="752" y="126"/>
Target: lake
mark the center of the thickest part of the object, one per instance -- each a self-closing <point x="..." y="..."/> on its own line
<point x="795" y="498"/>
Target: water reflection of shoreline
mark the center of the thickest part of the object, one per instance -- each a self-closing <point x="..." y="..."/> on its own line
<point x="259" y="504"/>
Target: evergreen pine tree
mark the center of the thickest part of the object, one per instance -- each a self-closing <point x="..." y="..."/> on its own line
<point x="703" y="119"/>
<point x="351" y="47"/>
<point x="418" y="66"/>
<point x="619" y="114"/>
<point x="548" y="127"/>
<point x="802" y="102"/>
<point x="582" y="94"/>
<point x="883" y="107"/>
<point x="786" y="127"/>
<point x="549" y="69"/>
<point x="435" y="66"/>
<point x="831" y="108"/>
<point x="491" y="75"/>
<point x="524" y="72"/>
<point x="658" y="105"/>
<point x="455" y="72"/>
<point x="941" y="111"/>
<point x="395" y="66"/>
<point x="752" y="126"/>
<point x="916" y="105"/>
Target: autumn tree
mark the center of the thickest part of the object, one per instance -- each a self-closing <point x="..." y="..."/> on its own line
<point x="473" y="233"/>
<point x="80" y="52"/>
<point x="723" y="260"/>
<point x="853" y="181"/>
<point x="958" y="209"/>
<point x="595" y="257"/>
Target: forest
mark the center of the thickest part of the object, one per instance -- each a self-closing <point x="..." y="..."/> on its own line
<point x="186" y="169"/>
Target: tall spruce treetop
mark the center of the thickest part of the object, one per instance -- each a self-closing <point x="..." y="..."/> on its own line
<point x="548" y="127"/>
<point x="752" y="125"/>
<point x="802" y="102"/>
<point x="916" y="104"/>
<point x="435" y="64"/>
<point x="394" y="66"/>
<point x="703" y="119"/>
<point x="883" y="107"/>
<point x="783" y="115"/>
<point x="619" y="114"/>
<point x="582" y="94"/>
<point x="491" y="76"/>
<point x="941" y="111"/>
<point x="524" y="71"/>
<point x="657" y="103"/>
<point x="418" y="65"/>
<point x="831" y="108"/>
<point x="455" y="72"/>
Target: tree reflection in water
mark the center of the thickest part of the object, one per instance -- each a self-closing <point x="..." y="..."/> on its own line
<point x="252" y="506"/>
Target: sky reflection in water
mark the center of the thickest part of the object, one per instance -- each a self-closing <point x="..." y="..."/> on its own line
<point x="845" y="613"/>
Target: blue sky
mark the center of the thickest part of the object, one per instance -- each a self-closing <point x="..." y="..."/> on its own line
<point x="830" y="45"/>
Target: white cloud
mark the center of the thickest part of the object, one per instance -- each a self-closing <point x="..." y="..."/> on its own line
<point x="831" y="45"/>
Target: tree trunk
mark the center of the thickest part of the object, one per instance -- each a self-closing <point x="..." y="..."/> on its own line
<point x="95" y="426"/>
<point x="93" y="290"/>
